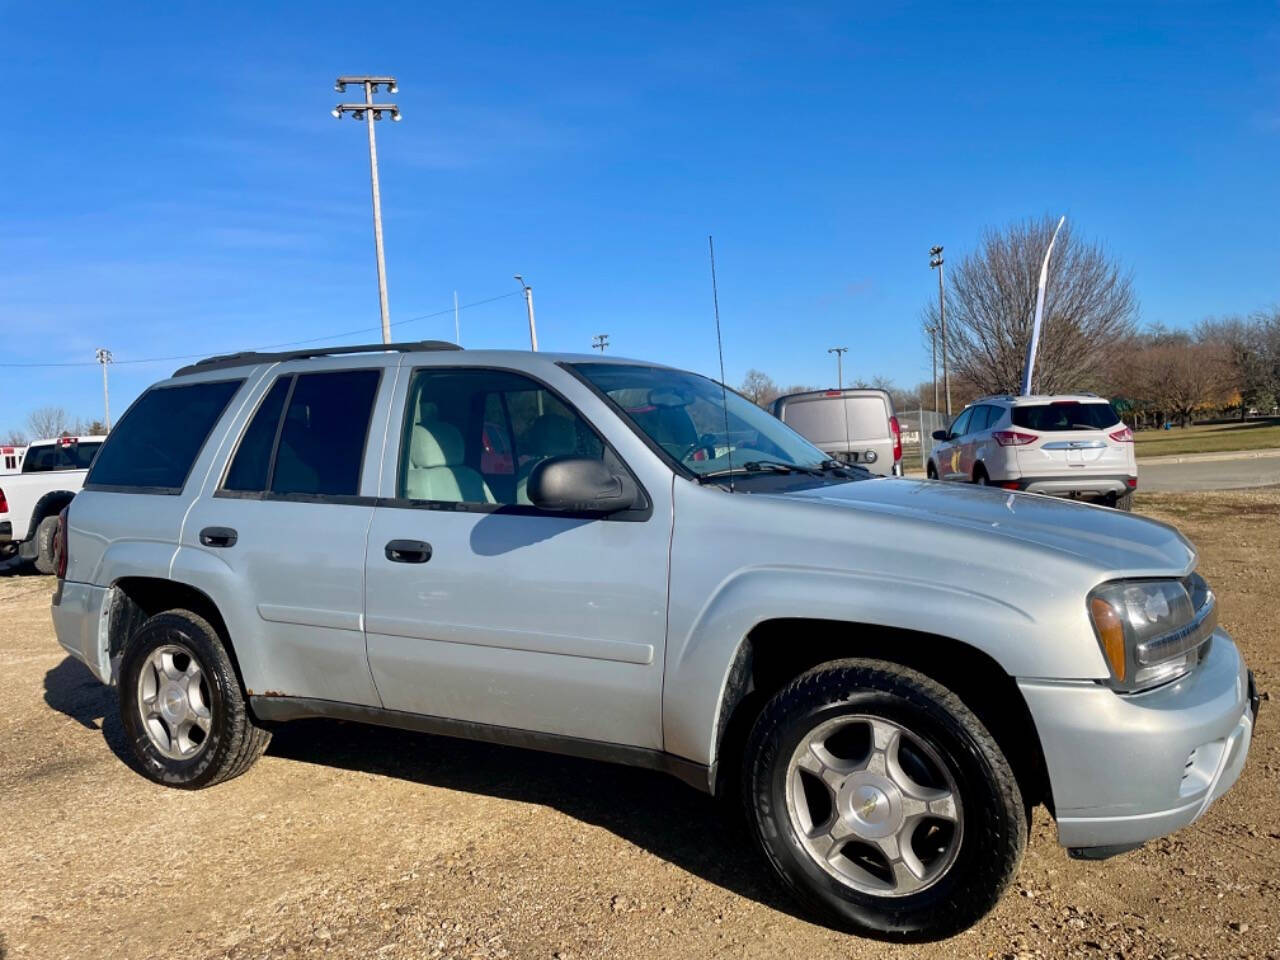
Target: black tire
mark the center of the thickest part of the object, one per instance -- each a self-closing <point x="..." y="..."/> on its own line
<point x="233" y="742"/>
<point x="44" y="560"/>
<point x="994" y="830"/>
<point x="1124" y="501"/>
<point x="980" y="476"/>
<point x="931" y="471"/>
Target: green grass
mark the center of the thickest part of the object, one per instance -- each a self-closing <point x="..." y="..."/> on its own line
<point x="1214" y="438"/>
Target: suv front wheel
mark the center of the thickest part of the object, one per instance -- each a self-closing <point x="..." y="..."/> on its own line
<point x="882" y="801"/>
<point x="184" y="715"/>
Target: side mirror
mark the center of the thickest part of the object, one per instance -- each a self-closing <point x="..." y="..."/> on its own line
<point x="578" y="485"/>
<point x="941" y="435"/>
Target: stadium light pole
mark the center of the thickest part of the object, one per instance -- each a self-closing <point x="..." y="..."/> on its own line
<point x="528" y="302"/>
<point x="103" y="356"/>
<point x="369" y="112"/>
<point x="839" y="352"/>
<point x="935" y="261"/>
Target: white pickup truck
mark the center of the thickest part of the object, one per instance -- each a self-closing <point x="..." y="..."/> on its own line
<point x="52" y="472"/>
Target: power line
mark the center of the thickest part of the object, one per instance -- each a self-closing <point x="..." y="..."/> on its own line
<point x="275" y="346"/>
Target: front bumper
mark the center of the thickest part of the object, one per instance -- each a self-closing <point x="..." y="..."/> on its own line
<point x="1126" y="769"/>
<point x="1078" y="485"/>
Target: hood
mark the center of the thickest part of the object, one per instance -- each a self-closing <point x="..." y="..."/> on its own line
<point x="1111" y="540"/>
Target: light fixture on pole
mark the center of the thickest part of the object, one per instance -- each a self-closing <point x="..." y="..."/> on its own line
<point x="528" y="302"/>
<point x="839" y="352"/>
<point x="600" y="341"/>
<point x="935" y="261"/>
<point x="103" y="356"/>
<point x="369" y="112"/>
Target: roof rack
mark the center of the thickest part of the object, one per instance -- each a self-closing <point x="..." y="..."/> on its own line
<point x="249" y="357"/>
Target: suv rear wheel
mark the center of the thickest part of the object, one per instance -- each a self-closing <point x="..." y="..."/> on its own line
<point x="882" y="801"/>
<point x="180" y="701"/>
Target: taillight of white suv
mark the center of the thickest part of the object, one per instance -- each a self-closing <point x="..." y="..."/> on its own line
<point x="1012" y="438"/>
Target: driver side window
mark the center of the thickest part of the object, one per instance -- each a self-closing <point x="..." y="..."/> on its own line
<point x="474" y="436"/>
<point x="960" y="426"/>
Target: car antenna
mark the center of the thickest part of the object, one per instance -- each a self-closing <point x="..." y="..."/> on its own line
<point x="724" y="391"/>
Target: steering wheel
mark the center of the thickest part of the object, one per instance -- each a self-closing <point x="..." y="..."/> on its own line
<point x="705" y="443"/>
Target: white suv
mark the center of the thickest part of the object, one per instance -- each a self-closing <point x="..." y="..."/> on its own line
<point x="1065" y="446"/>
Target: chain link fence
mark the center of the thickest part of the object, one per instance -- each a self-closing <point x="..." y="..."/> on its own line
<point x="917" y="437"/>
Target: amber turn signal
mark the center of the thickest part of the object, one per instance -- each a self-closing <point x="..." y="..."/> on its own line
<point x="1110" y="633"/>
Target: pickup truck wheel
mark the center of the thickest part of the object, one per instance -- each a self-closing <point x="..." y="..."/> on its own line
<point x="45" y="532"/>
<point x="180" y="702"/>
<point x="882" y="802"/>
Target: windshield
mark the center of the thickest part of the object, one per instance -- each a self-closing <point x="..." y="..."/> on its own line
<point x="684" y="414"/>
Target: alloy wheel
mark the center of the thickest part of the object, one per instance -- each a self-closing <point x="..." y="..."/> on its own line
<point x="874" y="805"/>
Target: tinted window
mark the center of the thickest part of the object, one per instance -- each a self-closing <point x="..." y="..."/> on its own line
<point x="250" y="468"/>
<point x="1066" y="415"/>
<point x="474" y="436"/>
<point x="961" y="423"/>
<point x="983" y="417"/>
<point x="60" y="456"/>
<point x="323" y="437"/>
<point x="160" y="437"/>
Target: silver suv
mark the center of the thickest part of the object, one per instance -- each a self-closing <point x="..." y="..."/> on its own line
<point x="627" y="562"/>
<point x="1065" y="446"/>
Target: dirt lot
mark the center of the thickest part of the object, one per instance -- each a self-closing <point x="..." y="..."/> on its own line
<point x="353" y="842"/>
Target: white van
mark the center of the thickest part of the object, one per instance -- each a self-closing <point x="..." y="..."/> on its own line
<point x="854" y="425"/>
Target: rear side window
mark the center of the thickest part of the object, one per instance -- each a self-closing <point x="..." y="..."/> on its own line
<point x="1065" y="416"/>
<point x="251" y="466"/>
<point x="60" y="456"/>
<point x="158" y="440"/>
<point x="983" y="417"/>
<point x="322" y="439"/>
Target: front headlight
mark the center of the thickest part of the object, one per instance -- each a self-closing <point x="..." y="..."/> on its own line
<point x="1152" y="631"/>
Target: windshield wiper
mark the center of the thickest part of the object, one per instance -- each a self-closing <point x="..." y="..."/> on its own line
<point x="765" y="466"/>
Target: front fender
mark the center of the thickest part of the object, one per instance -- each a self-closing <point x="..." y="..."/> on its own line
<point x="700" y="659"/>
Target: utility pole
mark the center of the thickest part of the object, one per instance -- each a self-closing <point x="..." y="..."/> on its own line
<point x="104" y="357"/>
<point x="839" y="352"/>
<point x="457" y="330"/>
<point x="369" y="112"/>
<point x="933" y="342"/>
<point x="935" y="260"/>
<point x="600" y="341"/>
<point x="528" y="302"/>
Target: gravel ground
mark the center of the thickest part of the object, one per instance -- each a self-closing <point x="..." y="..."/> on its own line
<point x="347" y="841"/>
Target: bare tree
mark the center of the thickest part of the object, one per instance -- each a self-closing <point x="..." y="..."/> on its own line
<point x="991" y="294"/>
<point x="759" y="388"/>
<point x="16" y="438"/>
<point x="1253" y="347"/>
<point x="1171" y="377"/>
<point x="47" y="422"/>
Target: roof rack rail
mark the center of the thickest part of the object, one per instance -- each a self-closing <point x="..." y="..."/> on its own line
<point x="248" y="357"/>
<point x="995" y="396"/>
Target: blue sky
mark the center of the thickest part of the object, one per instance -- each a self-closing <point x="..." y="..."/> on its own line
<point x="173" y="182"/>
